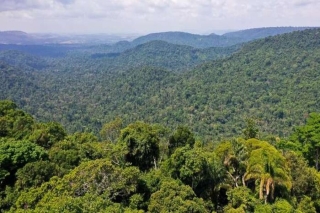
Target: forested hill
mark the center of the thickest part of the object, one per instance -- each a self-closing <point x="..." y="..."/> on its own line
<point x="213" y="40"/>
<point x="98" y="59"/>
<point x="256" y="33"/>
<point x="161" y="54"/>
<point x="23" y="60"/>
<point x="274" y="80"/>
<point x="200" y="41"/>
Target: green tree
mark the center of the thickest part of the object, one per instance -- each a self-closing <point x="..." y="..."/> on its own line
<point x="241" y="199"/>
<point x="234" y="155"/>
<point x="66" y="154"/>
<point x="306" y="205"/>
<point x="267" y="166"/>
<point x="175" y="197"/>
<point x="282" y="206"/>
<point x="305" y="180"/>
<point x="14" y="123"/>
<point x="36" y="173"/>
<point x="81" y="138"/>
<point x="251" y="130"/>
<point x="111" y="130"/>
<point x="142" y="145"/>
<point x="93" y="180"/>
<point x="181" y="137"/>
<point x="15" y="155"/>
<point x="201" y="170"/>
<point x="5" y="106"/>
<point x="47" y="134"/>
<point x="309" y="138"/>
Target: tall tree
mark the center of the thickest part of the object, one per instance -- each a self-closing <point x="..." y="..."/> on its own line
<point x="267" y="166"/>
<point x="234" y="156"/>
<point x="142" y="145"/>
<point x="309" y="137"/>
<point x="181" y="137"/>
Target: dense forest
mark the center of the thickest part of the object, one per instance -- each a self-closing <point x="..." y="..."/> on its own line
<point x="170" y="122"/>
<point x="151" y="168"/>
<point x="273" y="80"/>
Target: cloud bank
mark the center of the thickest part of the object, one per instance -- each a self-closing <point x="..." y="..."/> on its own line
<point x="142" y="16"/>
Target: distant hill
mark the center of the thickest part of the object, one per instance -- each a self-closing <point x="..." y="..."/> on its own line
<point x="15" y="37"/>
<point x="19" y="37"/>
<point x="122" y="43"/>
<point x="17" y="84"/>
<point x="194" y="40"/>
<point x="161" y="54"/>
<point x="213" y="40"/>
<point x="22" y="60"/>
<point x="43" y="50"/>
<point x="256" y="33"/>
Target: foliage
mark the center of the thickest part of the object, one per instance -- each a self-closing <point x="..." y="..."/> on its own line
<point x="305" y="180"/>
<point x="97" y="179"/>
<point x="33" y="174"/>
<point x="181" y="137"/>
<point x="142" y="145"/>
<point x="47" y="134"/>
<point x="175" y="197"/>
<point x="110" y="131"/>
<point x="241" y="198"/>
<point x="282" y="206"/>
<point x="15" y="155"/>
<point x="233" y="154"/>
<point x="306" y="205"/>
<point x="309" y="138"/>
<point x="251" y="131"/>
<point x="201" y="170"/>
<point x="273" y="80"/>
<point x="14" y="122"/>
<point x="160" y="165"/>
<point x="267" y="167"/>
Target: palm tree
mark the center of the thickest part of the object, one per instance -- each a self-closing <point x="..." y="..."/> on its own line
<point x="268" y="167"/>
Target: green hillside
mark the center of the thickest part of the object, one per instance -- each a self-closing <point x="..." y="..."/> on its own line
<point x="273" y="80"/>
<point x="161" y="54"/>
<point x="256" y="33"/>
<point x="22" y="60"/>
<point x="213" y="40"/>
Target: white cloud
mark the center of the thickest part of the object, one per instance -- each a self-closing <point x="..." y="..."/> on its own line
<point x="154" y="15"/>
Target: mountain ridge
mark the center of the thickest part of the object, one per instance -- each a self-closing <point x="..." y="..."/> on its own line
<point x="176" y="37"/>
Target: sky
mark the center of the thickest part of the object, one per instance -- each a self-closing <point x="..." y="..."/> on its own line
<point x="147" y="16"/>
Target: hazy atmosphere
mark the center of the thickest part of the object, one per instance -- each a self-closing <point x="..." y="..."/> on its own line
<point x="133" y="16"/>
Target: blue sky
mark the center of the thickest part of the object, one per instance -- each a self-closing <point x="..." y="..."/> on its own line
<point x="146" y="16"/>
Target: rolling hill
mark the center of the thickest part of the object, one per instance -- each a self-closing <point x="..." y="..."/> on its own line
<point x="274" y="80"/>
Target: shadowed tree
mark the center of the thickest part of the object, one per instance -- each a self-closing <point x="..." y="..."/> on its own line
<point x="181" y="137"/>
<point x="141" y="143"/>
<point x="47" y="134"/>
